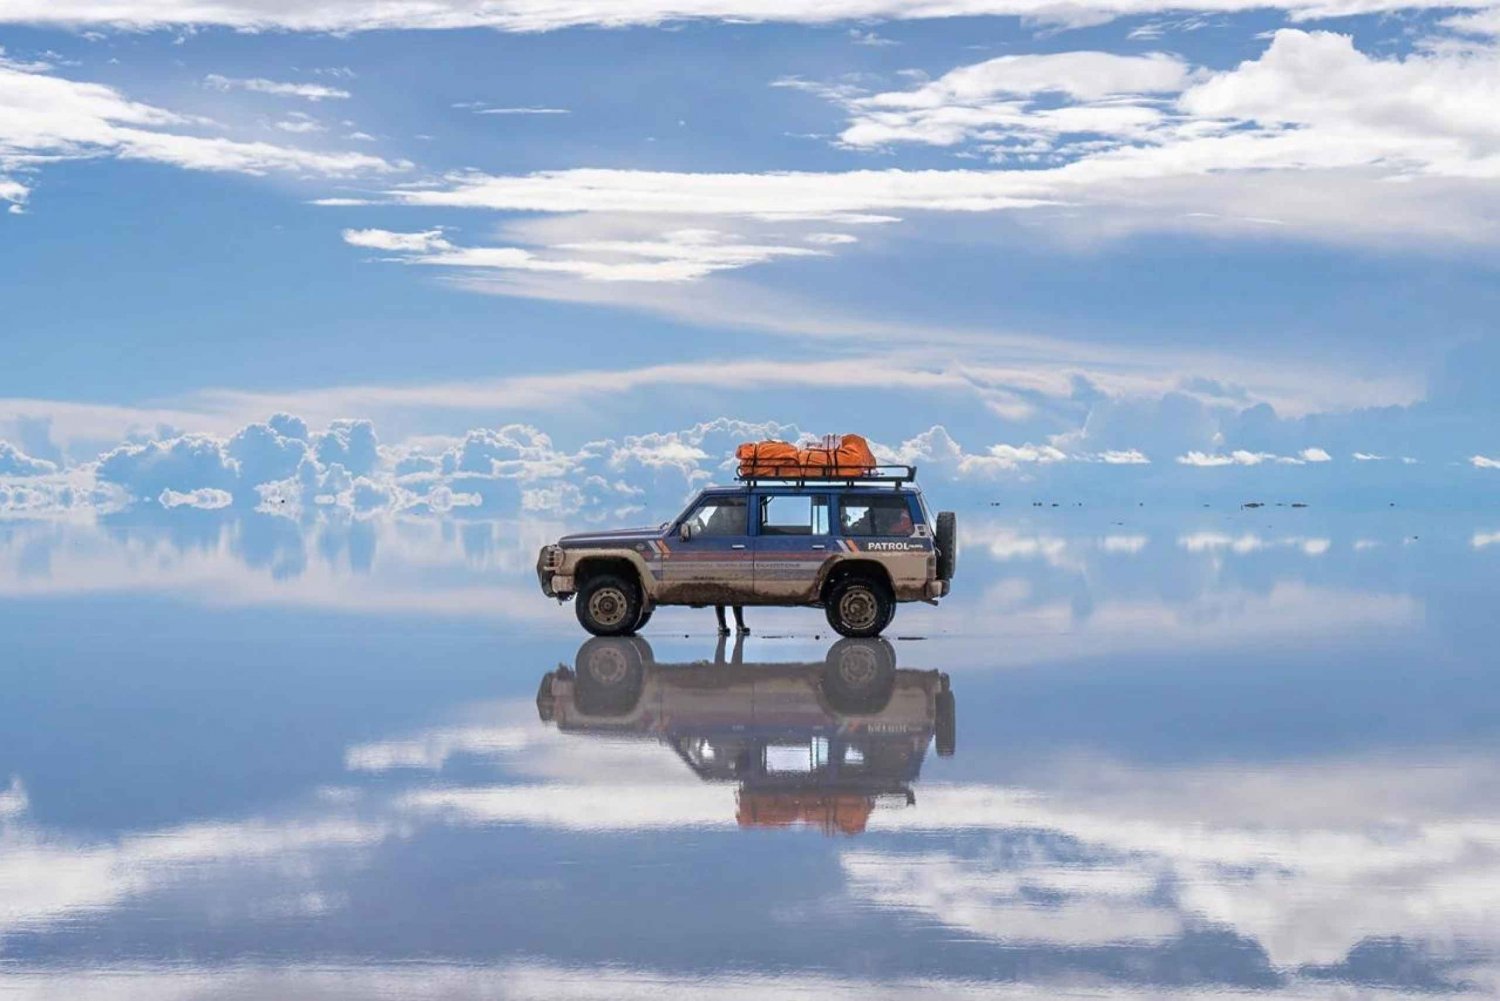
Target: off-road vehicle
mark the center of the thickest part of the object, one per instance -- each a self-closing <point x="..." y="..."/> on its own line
<point x="821" y="743"/>
<point x="855" y="547"/>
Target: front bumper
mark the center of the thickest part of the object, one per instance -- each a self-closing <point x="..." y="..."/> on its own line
<point x="554" y="584"/>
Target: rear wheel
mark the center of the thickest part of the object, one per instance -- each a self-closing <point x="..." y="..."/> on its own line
<point x="640" y="623"/>
<point x="608" y="605"/>
<point x="859" y="607"/>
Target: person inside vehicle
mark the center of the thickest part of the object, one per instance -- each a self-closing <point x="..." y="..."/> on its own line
<point x="739" y="621"/>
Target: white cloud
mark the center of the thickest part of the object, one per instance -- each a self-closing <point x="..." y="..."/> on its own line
<point x="1303" y="140"/>
<point x="383" y="239"/>
<point x="675" y="256"/>
<point x="1484" y="462"/>
<point x="1123" y="457"/>
<point x="44" y="117"/>
<point x="13" y="801"/>
<point x="14" y="462"/>
<point x="306" y="91"/>
<point x="1314" y="455"/>
<point x="522" y="111"/>
<point x="204" y="498"/>
<point x="997" y="101"/>
<point x="549" y="15"/>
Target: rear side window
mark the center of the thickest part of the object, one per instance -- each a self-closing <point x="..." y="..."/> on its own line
<point x="784" y="514"/>
<point x="888" y="515"/>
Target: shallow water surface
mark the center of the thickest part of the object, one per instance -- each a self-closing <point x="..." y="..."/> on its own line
<point x="1222" y="753"/>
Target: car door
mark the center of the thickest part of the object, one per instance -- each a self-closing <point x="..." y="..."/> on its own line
<point x="887" y="527"/>
<point x="714" y="565"/>
<point x="791" y="543"/>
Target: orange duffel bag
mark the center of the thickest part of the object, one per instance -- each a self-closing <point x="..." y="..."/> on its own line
<point x="836" y="457"/>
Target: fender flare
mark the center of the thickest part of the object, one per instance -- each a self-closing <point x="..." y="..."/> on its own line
<point x="644" y="576"/>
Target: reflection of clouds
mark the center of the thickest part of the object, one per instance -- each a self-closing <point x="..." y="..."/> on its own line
<point x="1249" y="542"/>
<point x="523" y="981"/>
<point x="431" y="750"/>
<point x="1031" y="899"/>
<point x="46" y="879"/>
<point x="1127" y="544"/>
<point x="416" y="566"/>
<point x="1307" y="860"/>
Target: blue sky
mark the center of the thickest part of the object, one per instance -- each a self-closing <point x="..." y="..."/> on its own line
<point x="1222" y="241"/>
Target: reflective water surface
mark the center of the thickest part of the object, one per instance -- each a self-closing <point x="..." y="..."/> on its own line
<point x="1205" y="754"/>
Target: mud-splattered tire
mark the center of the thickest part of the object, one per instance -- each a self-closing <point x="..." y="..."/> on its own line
<point x="640" y="623"/>
<point x="947" y="544"/>
<point x="859" y="607"/>
<point x="608" y="605"/>
<point x="608" y="674"/>
<point x="859" y="676"/>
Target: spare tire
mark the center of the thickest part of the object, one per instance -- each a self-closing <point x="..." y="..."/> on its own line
<point x="947" y="544"/>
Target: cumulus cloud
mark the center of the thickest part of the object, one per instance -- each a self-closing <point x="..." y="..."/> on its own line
<point x="48" y="117"/>
<point x="258" y="85"/>
<point x="1484" y="462"/>
<point x="1244" y="457"/>
<point x="14" y="462"/>
<point x="1010" y="103"/>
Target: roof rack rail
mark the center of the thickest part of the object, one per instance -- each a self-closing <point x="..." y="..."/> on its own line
<point x="894" y="475"/>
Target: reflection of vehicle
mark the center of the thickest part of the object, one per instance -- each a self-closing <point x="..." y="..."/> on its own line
<point x="817" y="743"/>
<point x="854" y="547"/>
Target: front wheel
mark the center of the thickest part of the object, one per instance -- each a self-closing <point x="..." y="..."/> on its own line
<point x="858" y="607"/>
<point x="608" y="605"/>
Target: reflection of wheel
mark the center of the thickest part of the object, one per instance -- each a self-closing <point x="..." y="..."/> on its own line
<point x="640" y="623"/>
<point x="608" y="674"/>
<point x="859" y="676"/>
<point x="608" y="605"/>
<point x="859" y="607"/>
<point x="947" y="725"/>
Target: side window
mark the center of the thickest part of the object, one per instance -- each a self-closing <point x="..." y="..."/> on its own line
<point x="784" y="514"/>
<point x="719" y="516"/>
<point x="888" y="515"/>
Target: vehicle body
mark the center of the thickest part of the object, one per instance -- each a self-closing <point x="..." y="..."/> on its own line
<point x="853" y="547"/>
<point x="818" y="743"/>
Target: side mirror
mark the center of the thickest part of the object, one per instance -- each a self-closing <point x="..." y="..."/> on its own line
<point x="685" y="531"/>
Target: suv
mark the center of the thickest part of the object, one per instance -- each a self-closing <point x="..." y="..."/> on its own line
<point x="821" y="743"/>
<point x="855" y="547"/>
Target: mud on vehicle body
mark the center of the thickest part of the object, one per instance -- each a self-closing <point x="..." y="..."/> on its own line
<point x="855" y="548"/>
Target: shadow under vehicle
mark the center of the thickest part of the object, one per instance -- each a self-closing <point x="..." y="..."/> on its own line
<point x="808" y="743"/>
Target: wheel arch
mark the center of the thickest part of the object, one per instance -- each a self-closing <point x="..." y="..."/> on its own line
<point x="616" y="561"/>
<point x="853" y="566"/>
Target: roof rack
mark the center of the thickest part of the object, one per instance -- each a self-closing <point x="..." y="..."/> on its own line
<point x="894" y="475"/>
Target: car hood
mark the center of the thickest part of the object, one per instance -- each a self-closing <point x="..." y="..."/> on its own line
<point x="613" y="537"/>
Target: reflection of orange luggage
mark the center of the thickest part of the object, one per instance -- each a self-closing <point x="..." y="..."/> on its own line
<point x="845" y="813"/>
<point x="837" y="457"/>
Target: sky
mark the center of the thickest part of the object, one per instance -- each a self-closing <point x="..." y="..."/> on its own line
<point x="574" y="251"/>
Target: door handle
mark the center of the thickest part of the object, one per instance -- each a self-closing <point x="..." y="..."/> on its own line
<point x="820" y="546"/>
<point x="737" y="545"/>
